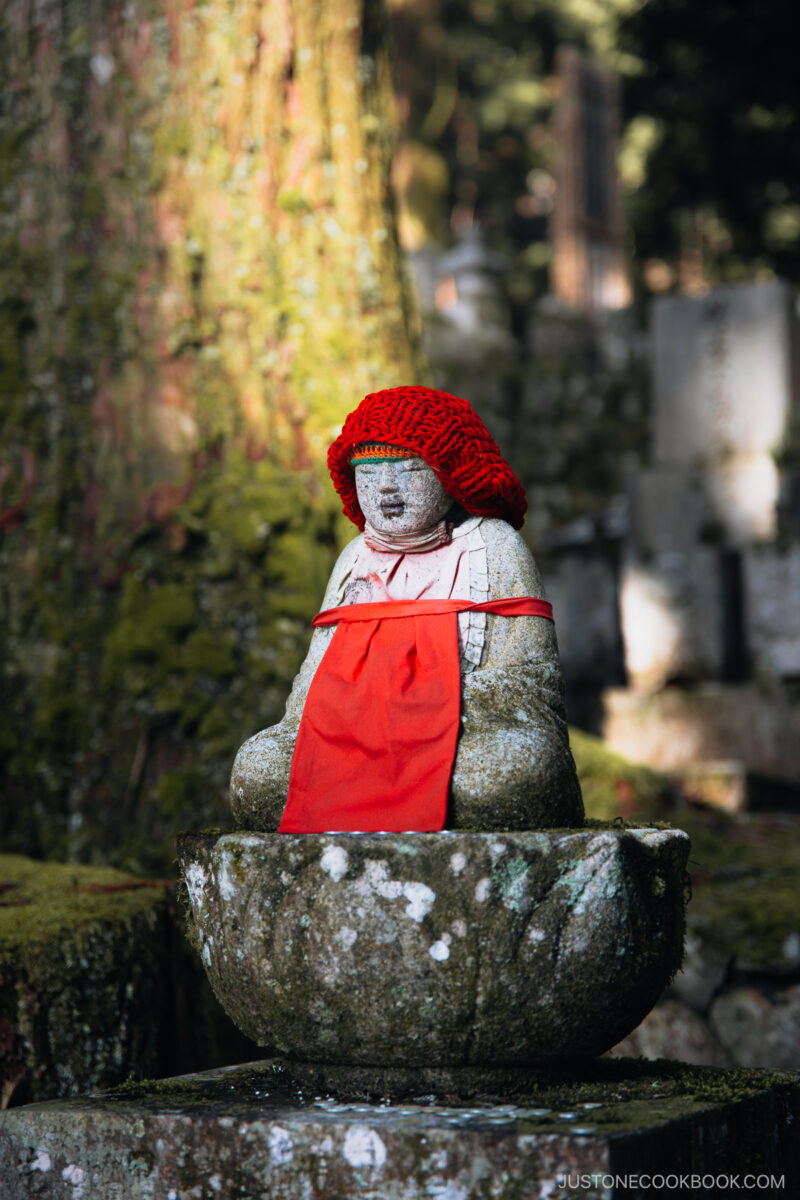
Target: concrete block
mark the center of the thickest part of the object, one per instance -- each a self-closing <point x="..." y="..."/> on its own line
<point x="252" y="1131"/>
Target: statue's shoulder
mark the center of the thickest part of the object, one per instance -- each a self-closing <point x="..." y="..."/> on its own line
<point x="511" y="566"/>
<point x="342" y="568"/>
<point x="349" y="555"/>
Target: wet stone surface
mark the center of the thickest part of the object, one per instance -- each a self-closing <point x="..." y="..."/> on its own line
<point x="454" y="950"/>
<point x="253" y="1131"/>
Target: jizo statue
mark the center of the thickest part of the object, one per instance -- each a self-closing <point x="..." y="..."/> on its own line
<point x="431" y="696"/>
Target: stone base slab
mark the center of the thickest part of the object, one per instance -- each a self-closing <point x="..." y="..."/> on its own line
<point x="253" y="1131"/>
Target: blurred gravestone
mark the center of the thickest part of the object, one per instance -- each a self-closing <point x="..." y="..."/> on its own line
<point x="704" y="514"/>
<point x="726" y="394"/>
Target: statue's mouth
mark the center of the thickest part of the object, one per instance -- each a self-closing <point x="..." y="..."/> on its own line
<point x="392" y="508"/>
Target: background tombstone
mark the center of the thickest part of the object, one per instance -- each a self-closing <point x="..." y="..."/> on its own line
<point x="726" y="393"/>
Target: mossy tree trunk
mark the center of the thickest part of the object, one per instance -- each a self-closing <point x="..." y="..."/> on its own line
<point x="199" y="277"/>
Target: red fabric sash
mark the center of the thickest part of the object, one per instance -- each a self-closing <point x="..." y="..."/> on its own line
<point x="378" y="735"/>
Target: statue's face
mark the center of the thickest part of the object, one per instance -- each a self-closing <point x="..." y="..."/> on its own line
<point x="400" y="495"/>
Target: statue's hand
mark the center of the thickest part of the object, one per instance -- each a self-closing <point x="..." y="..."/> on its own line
<point x="260" y="777"/>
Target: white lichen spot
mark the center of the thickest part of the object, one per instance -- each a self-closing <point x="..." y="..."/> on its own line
<point x="172" y="1194"/>
<point x="497" y="848"/>
<point x="215" y="1183"/>
<point x="41" y="1162"/>
<point x="457" y="862"/>
<point x="420" y="900"/>
<point x="346" y="936"/>
<point x="440" y="951"/>
<point x="363" y="1148"/>
<point x="281" y="1147"/>
<point x="195" y="878"/>
<point x="73" y="1174"/>
<point x="482" y="889"/>
<point x="334" y="862"/>
<point x="536" y="936"/>
<point x="375" y="879"/>
<point x="226" y="880"/>
<point x="207" y="954"/>
<point x="447" y="1191"/>
<point x="459" y="928"/>
<point x="360" y="166"/>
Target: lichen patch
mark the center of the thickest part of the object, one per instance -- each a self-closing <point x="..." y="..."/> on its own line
<point x="334" y="862"/>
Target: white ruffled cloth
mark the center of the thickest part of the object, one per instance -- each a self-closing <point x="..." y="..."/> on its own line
<point x="456" y="571"/>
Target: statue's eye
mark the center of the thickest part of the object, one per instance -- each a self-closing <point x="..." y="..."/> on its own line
<point x="362" y="471"/>
<point x="412" y="464"/>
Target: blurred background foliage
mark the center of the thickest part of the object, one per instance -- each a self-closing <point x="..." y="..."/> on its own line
<point x="709" y="149"/>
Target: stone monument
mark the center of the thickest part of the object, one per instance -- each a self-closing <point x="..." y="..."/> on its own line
<point x="432" y="907"/>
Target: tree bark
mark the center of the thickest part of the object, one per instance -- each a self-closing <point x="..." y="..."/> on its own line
<point x="198" y="253"/>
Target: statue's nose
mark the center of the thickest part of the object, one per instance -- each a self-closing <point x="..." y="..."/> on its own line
<point x="388" y="478"/>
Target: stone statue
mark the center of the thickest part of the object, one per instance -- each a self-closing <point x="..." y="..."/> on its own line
<point x="451" y="713"/>
<point x="435" y="926"/>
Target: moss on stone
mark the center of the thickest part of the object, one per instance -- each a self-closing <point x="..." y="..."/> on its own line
<point x="612" y="785"/>
<point x="42" y="901"/>
<point x="745" y="872"/>
<point x="85" y="975"/>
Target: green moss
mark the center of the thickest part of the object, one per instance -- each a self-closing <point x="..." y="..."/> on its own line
<point x="745" y="873"/>
<point x="41" y="901"/>
<point x="611" y="785"/>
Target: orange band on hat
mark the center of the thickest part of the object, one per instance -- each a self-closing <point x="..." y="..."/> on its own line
<point x="378" y="452"/>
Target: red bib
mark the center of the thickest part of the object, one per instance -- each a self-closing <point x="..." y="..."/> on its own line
<point x="378" y="735"/>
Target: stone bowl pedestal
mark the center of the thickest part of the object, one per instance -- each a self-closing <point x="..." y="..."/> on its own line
<point x="438" y="951"/>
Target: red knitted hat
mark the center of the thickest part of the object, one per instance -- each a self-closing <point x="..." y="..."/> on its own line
<point x="444" y="431"/>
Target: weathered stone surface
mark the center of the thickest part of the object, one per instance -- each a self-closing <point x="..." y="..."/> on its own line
<point x="454" y="949"/>
<point x="758" y="1027"/>
<point x="678" y="727"/>
<point x="251" y="1131"/>
<point x="84" y="977"/>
